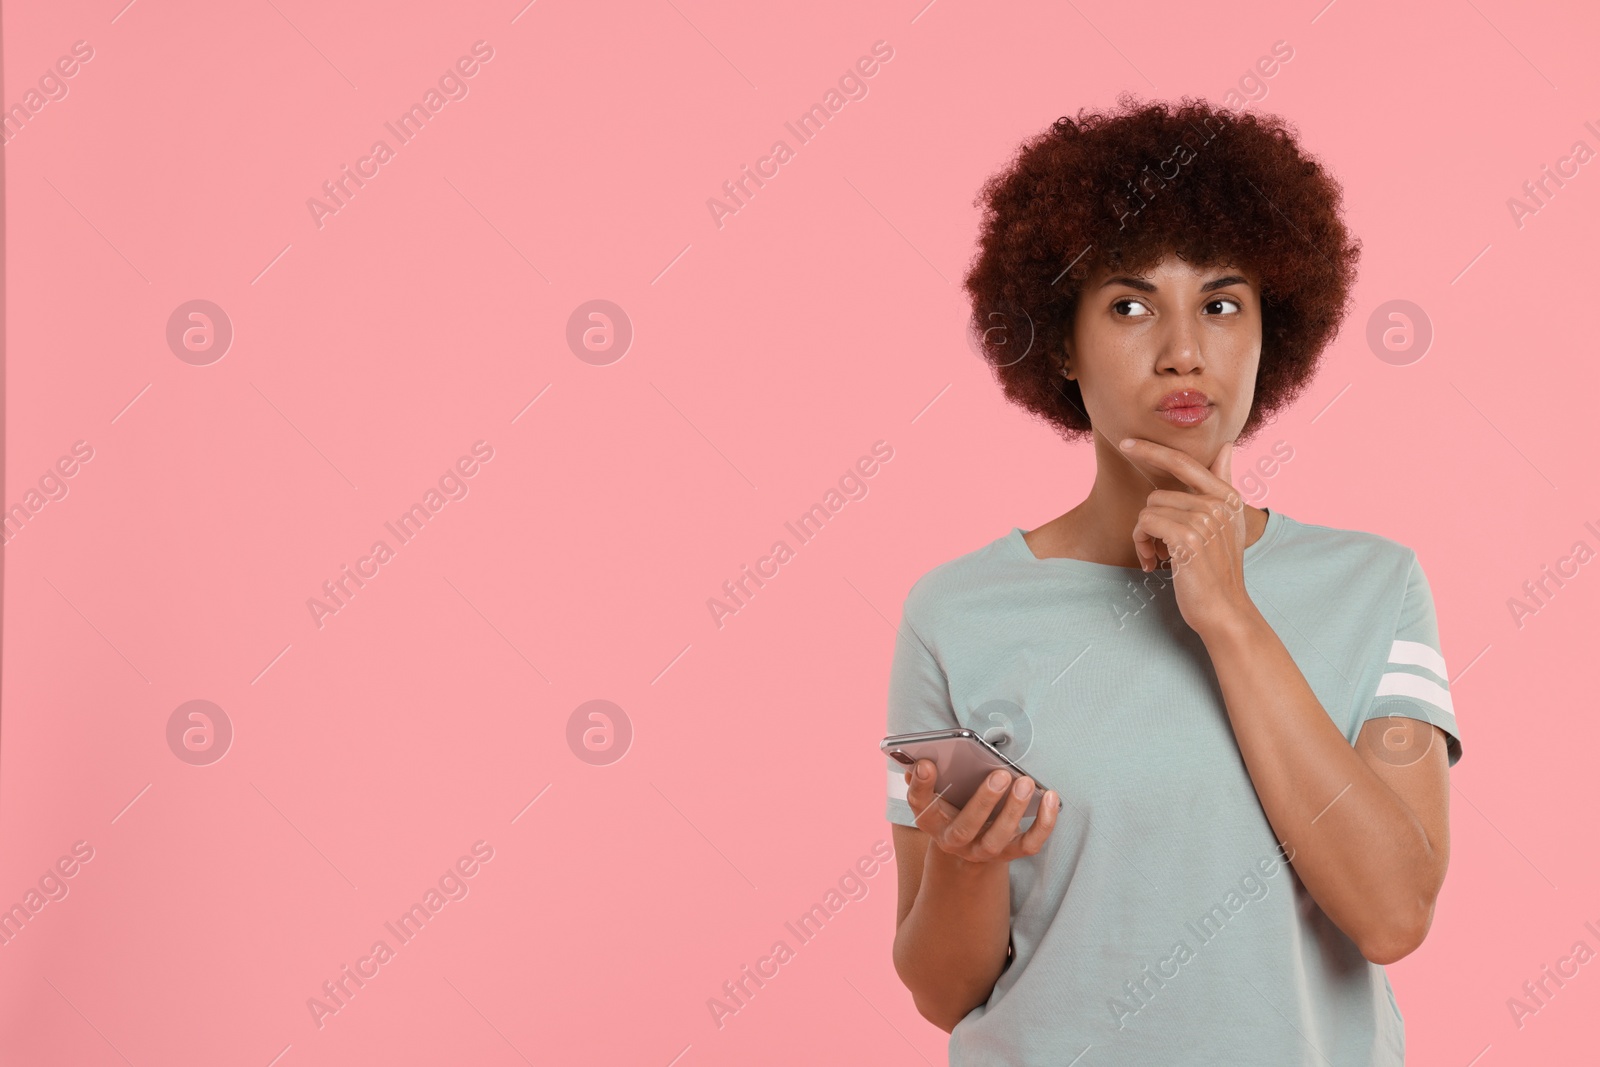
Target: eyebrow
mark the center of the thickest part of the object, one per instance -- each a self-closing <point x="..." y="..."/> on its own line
<point x="1145" y="286"/>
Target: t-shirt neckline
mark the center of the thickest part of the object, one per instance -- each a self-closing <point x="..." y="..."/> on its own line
<point x="1088" y="569"/>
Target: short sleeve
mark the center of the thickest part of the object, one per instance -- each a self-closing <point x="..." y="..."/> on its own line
<point x="919" y="699"/>
<point x="1414" y="682"/>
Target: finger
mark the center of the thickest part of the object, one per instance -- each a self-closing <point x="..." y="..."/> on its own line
<point x="1222" y="466"/>
<point x="965" y="827"/>
<point x="1043" y="823"/>
<point x="1177" y="463"/>
<point x="1003" y="830"/>
<point x="1168" y="526"/>
<point x="1145" y="547"/>
<point x="1151" y="548"/>
<point x="1181" y="501"/>
<point x="1212" y="514"/>
<point x="932" y="812"/>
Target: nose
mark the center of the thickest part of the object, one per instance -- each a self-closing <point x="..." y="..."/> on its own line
<point x="1180" y="348"/>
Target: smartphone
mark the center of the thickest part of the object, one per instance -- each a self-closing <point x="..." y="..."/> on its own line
<point x="964" y="760"/>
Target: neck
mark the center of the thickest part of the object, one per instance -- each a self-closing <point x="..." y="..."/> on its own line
<point x="1100" y="528"/>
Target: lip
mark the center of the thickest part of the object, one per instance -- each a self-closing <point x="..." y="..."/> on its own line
<point x="1186" y="407"/>
<point x="1183" y="398"/>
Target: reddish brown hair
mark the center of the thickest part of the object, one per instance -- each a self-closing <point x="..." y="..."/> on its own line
<point x="1126" y="187"/>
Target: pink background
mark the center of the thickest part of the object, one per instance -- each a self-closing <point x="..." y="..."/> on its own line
<point x="767" y="356"/>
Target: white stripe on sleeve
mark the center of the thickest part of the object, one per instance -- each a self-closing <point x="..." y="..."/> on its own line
<point x="1401" y="684"/>
<point x="1418" y="654"/>
<point x="898" y="786"/>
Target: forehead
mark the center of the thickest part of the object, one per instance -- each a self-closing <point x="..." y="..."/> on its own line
<point x="1170" y="273"/>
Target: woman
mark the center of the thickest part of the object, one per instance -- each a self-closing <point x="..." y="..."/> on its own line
<point x="1246" y="719"/>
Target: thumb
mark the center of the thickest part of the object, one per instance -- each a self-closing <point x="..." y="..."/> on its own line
<point x="1222" y="466"/>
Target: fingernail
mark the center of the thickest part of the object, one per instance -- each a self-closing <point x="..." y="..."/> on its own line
<point x="1127" y="442"/>
<point x="1023" y="787"/>
<point x="923" y="770"/>
<point x="997" y="780"/>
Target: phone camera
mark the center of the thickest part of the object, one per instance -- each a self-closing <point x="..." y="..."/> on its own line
<point x="903" y="758"/>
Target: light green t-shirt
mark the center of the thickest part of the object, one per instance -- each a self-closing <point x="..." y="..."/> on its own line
<point x="1161" y="924"/>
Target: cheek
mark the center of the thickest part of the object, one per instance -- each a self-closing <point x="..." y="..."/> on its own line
<point x="1242" y="390"/>
<point x="1112" y="408"/>
<point x="1244" y="401"/>
<point x="1115" y="385"/>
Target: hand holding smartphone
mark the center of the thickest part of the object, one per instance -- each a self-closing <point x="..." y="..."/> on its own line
<point x="984" y="825"/>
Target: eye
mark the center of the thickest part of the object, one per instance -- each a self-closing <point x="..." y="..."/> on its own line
<point x="1226" y="300"/>
<point x="1127" y="300"/>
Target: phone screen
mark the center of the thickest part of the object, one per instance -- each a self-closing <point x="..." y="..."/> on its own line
<point x="964" y="761"/>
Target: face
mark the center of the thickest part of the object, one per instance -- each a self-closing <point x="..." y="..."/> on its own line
<point x="1137" y="340"/>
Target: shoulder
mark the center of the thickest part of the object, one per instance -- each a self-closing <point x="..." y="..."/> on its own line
<point x="1338" y="552"/>
<point x="947" y="584"/>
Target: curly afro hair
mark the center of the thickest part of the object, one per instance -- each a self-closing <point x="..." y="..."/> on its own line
<point x="1122" y="189"/>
